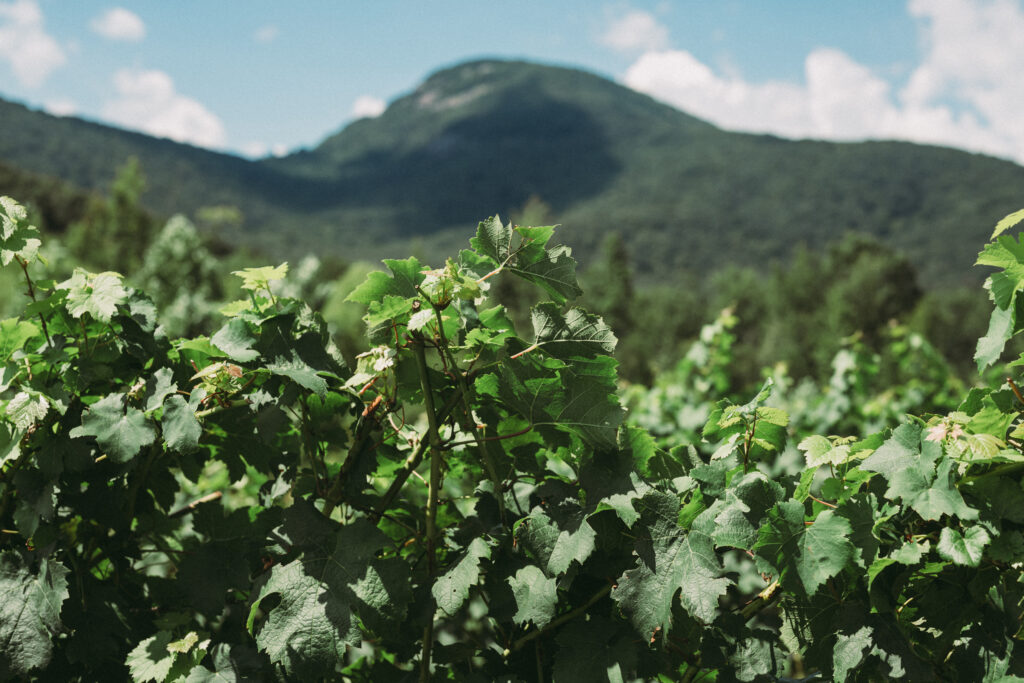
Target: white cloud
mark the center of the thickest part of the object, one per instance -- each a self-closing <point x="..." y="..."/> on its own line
<point x="368" y="107"/>
<point x="24" y="44"/>
<point x="967" y="91"/>
<point x="119" y="24"/>
<point x="254" y="149"/>
<point x="147" y="101"/>
<point x="61" y="107"/>
<point x="257" y="149"/>
<point x="636" y="30"/>
<point x="265" y="34"/>
<point x="680" y="79"/>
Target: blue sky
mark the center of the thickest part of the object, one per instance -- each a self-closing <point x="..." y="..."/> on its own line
<point x="260" y="77"/>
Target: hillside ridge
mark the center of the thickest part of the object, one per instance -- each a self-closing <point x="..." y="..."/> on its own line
<point x="489" y="136"/>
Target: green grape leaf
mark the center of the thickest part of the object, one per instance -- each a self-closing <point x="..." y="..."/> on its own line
<point x="419" y="319"/>
<point x="390" y="308"/>
<point x="752" y="657"/>
<point x="964" y="549"/>
<point x="927" y="486"/>
<point x="1000" y="329"/>
<point x="1004" y="252"/>
<point x="159" y="386"/>
<point x="451" y="590"/>
<point x="1007" y="547"/>
<point x="671" y="560"/>
<point x="848" y="652"/>
<point x="97" y="294"/>
<point x="553" y="270"/>
<point x="119" y="433"/>
<point x="535" y="596"/>
<point x="10" y="442"/>
<point x="860" y="512"/>
<point x="259" y="279"/>
<point x="581" y="400"/>
<point x="595" y="650"/>
<point x="185" y="644"/>
<point x="26" y="409"/>
<point x="1001" y="495"/>
<point x="910" y="552"/>
<point x="383" y="594"/>
<point x="899" y="451"/>
<point x="13" y="335"/>
<point x="180" y="427"/>
<point x="495" y="328"/>
<point x="296" y="369"/>
<point x="201" y="674"/>
<point x="820" y="451"/>
<point x="814" y="553"/>
<point x="152" y="660"/>
<point x="307" y="632"/>
<point x="1007" y="223"/>
<point x="18" y="238"/>
<point x="404" y="278"/>
<point x="769" y="432"/>
<point x="738" y="515"/>
<point x="236" y="341"/>
<point x="557" y="542"/>
<point x="572" y="545"/>
<point x="493" y="239"/>
<point x="571" y="334"/>
<point x="29" y="611"/>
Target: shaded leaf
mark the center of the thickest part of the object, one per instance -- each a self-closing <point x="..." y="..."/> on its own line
<point x="535" y="596"/>
<point x="814" y="553"/>
<point x="451" y="589"/>
<point x="570" y="334"/>
<point x="671" y="560"/>
<point x="13" y="335"/>
<point x="965" y="549"/>
<point x="151" y="660"/>
<point x="180" y="427"/>
<point x="29" y="611"/>
<point x="308" y="631"/>
<point x="119" y="433"/>
<point x="236" y="341"/>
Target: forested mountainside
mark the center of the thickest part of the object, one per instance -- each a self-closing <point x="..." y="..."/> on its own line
<point x="488" y="136"/>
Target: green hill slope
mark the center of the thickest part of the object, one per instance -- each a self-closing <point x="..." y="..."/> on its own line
<point x="484" y="137"/>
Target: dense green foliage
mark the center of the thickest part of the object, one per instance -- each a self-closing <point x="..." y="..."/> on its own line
<point x="490" y="134"/>
<point x="469" y="504"/>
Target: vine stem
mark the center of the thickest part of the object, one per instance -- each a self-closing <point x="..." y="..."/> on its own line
<point x="432" y="493"/>
<point x="412" y="462"/>
<point x="528" y="349"/>
<point x="1016" y="390"/>
<point x="32" y="294"/>
<point x="334" y="493"/>
<point x="763" y="599"/>
<point x="216" y="495"/>
<point x="467" y="422"/>
<point x="568" y="616"/>
<point x="995" y="472"/>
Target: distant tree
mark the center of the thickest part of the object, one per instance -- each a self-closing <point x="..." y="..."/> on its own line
<point x="608" y="285"/>
<point x="869" y="285"/>
<point x="183" y="278"/>
<point x="115" y="232"/>
<point x="221" y="225"/>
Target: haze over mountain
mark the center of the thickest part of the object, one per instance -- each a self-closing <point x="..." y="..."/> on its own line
<point x="486" y="136"/>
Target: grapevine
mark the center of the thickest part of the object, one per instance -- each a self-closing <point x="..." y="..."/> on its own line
<point x="468" y="503"/>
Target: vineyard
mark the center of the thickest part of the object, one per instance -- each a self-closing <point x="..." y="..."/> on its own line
<point x="473" y="502"/>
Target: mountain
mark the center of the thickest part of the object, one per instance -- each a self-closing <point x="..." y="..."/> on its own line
<point x="484" y="137"/>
